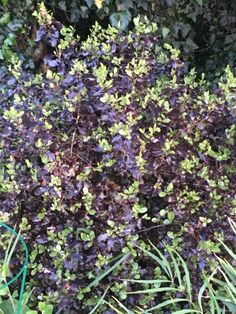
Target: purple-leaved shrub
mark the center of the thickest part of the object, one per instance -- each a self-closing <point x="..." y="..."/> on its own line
<point x="114" y="145"/>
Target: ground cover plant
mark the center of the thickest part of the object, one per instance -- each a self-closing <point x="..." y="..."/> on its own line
<point x="113" y="144"/>
<point x="175" y="279"/>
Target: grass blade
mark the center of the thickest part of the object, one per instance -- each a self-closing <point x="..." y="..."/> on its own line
<point x="153" y="290"/>
<point x="147" y="281"/>
<point x="157" y="259"/>
<point x="122" y="306"/>
<point x="113" y="308"/>
<point x="100" y="301"/>
<point x="176" y="266"/>
<point x="187" y="276"/>
<point x="229" y="270"/>
<point x="231" y="307"/>
<point x="203" y="288"/>
<point x="104" y="274"/>
<point x="231" y="294"/>
<point x="231" y="253"/>
<point x="13" y="247"/>
<point x="213" y="302"/>
<point x="164" y="261"/>
<point x="165" y="303"/>
<point x="228" y="282"/>
<point x="186" y="311"/>
<point x="8" y="256"/>
<point x="232" y="225"/>
<point x="8" y="248"/>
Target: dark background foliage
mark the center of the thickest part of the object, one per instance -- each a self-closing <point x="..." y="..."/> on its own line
<point x="203" y="30"/>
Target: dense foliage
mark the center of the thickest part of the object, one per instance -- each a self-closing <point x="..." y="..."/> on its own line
<point x="111" y="145"/>
<point x="15" y="31"/>
<point x="204" y="30"/>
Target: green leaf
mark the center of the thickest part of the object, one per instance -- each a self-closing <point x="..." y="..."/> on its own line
<point x="10" y="40"/>
<point x="171" y="216"/>
<point x="142" y="209"/>
<point x="89" y="3"/>
<point x="200" y="2"/>
<point x="165" y="31"/>
<point x="191" y="44"/>
<point x="4" y="291"/>
<point x="4" y="2"/>
<point x="7" y="307"/>
<point x="4" y="19"/>
<point x="62" y="5"/>
<point x="5" y="272"/>
<point x="121" y="20"/>
<point x="1" y="55"/>
<point x="45" y="308"/>
<point x="124" y="5"/>
<point x="170" y="187"/>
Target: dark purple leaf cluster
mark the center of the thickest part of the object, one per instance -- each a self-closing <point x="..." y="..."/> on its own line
<point x="113" y="145"/>
<point x="50" y="34"/>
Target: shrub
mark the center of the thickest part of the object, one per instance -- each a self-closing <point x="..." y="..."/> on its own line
<point x="112" y="145"/>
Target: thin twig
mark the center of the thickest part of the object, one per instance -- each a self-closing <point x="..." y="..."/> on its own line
<point x="73" y="136"/>
<point x="147" y="229"/>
